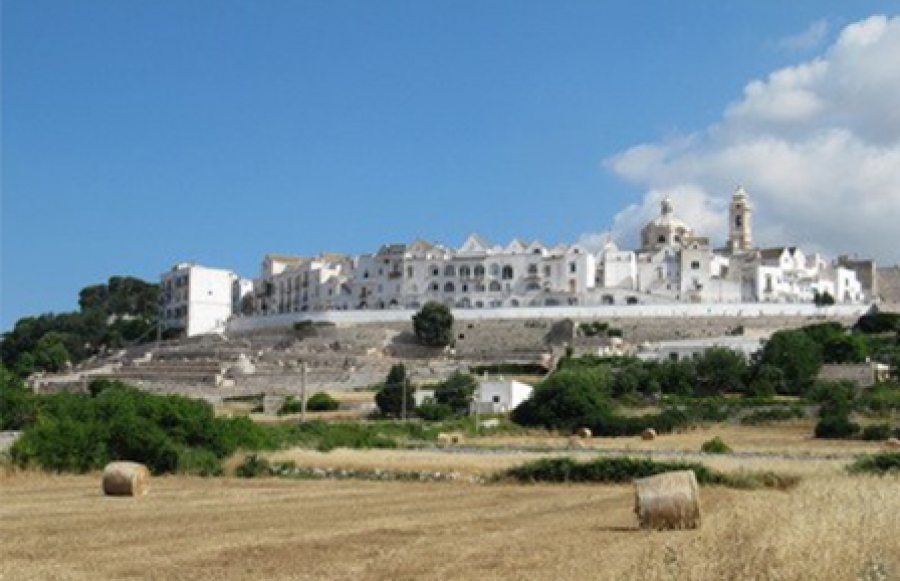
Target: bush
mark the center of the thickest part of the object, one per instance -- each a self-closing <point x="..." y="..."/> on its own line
<point x="322" y="402"/>
<point x="617" y="470"/>
<point x="767" y="416"/>
<point x="77" y="433"/>
<point x="253" y="466"/>
<point x="836" y="426"/>
<point x="884" y="463"/>
<point x="715" y="446"/>
<point x="604" y="470"/>
<point x="877" y="432"/>
<point x="435" y="412"/>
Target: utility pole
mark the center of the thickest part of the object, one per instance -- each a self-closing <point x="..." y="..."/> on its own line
<point x="303" y="392"/>
<point x="403" y="403"/>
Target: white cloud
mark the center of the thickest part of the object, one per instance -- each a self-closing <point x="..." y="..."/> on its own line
<point x="809" y="39"/>
<point x="817" y="146"/>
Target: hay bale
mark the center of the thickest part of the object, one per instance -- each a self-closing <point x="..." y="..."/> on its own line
<point x="125" y="479"/>
<point x="450" y="438"/>
<point x="892" y="444"/>
<point x="584" y="433"/>
<point x="648" y="434"/>
<point x="668" y="501"/>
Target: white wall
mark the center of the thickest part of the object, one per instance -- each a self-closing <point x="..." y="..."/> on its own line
<point x="686" y="311"/>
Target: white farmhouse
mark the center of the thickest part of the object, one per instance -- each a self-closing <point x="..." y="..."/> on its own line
<point x="500" y="396"/>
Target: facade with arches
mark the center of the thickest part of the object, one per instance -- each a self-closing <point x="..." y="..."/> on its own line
<point x="674" y="264"/>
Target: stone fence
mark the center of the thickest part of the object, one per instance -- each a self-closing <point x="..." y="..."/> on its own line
<point x="671" y="311"/>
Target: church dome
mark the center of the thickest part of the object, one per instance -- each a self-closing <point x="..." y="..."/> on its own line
<point x="667" y="217"/>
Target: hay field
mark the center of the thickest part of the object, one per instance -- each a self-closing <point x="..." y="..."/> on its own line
<point x="786" y="438"/>
<point x="62" y="528"/>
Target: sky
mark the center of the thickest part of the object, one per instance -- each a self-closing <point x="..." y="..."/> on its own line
<point x="140" y="134"/>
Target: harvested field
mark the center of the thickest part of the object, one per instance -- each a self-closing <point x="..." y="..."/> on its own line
<point x="61" y="527"/>
<point x="788" y="438"/>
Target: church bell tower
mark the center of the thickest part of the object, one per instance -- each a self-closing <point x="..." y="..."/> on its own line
<point x="740" y="217"/>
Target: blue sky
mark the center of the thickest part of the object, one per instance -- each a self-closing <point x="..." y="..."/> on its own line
<point x="139" y="134"/>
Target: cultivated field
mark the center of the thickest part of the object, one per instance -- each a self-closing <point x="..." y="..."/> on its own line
<point x="832" y="526"/>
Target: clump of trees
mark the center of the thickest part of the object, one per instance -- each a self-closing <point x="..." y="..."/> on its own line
<point x="433" y="325"/>
<point x="111" y="315"/>
<point x="82" y="432"/>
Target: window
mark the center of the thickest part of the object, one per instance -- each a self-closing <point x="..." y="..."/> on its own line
<point x="547" y="270"/>
<point x="532" y="269"/>
<point x="532" y="286"/>
<point x="495" y="287"/>
<point x="495" y="270"/>
<point x="449" y="270"/>
<point x="573" y="267"/>
<point x="479" y="271"/>
<point x="449" y="288"/>
<point x="435" y="271"/>
<point x="434" y="287"/>
<point x="661" y="239"/>
<point x="695" y="265"/>
<point x="496" y="399"/>
<point x="409" y="272"/>
<point x="738" y="220"/>
<point x="465" y="272"/>
<point x="508" y="272"/>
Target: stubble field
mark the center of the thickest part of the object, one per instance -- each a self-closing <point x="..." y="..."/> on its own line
<point x="832" y="526"/>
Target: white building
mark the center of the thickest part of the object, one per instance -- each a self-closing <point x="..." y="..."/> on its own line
<point x="196" y="299"/>
<point x="674" y="264"/>
<point x="500" y="396"/>
<point x="678" y="350"/>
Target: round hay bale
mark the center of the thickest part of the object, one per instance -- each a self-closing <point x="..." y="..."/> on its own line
<point x="648" y="434"/>
<point x="668" y="501"/>
<point x="450" y="438"/>
<point x="892" y="444"/>
<point x="584" y="433"/>
<point x="575" y="443"/>
<point x="125" y="479"/>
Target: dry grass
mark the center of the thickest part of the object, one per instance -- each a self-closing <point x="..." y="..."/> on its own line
<point x="793" y="438"/>
<point x="57" y="528"/>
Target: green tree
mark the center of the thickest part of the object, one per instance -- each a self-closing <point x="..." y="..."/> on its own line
<point x="824" y="299"/>
<point x="51" y="353"/>
<point x="456" y="392"/>
<point x="675" y="377"/>
<point x="18" y="408"/>
<point x="568" y="399"/>
<point x="389" y="398"/>
<point x="798" y="357"/>
<point x="433" y="325"/>
<point x="720" y="371"/>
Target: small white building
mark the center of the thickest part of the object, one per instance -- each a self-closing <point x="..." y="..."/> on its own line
<point x="695" y="348"/>
<point x="501" y="396"/>
<point x="196" y="299"/>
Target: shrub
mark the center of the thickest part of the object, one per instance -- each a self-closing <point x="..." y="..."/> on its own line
<point x="836" y="426"/>
<point x="78" y="433"/>
<point x="779" y="414"/>
<point x="715" y="446"/>
<point x="434" y="412"/>
<point x="877" y="432"/>
<point x="617" y="470"/>
<point x="322" y="402"/>
<point x="253" y="466"/>
<point x="884" y="463"/>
